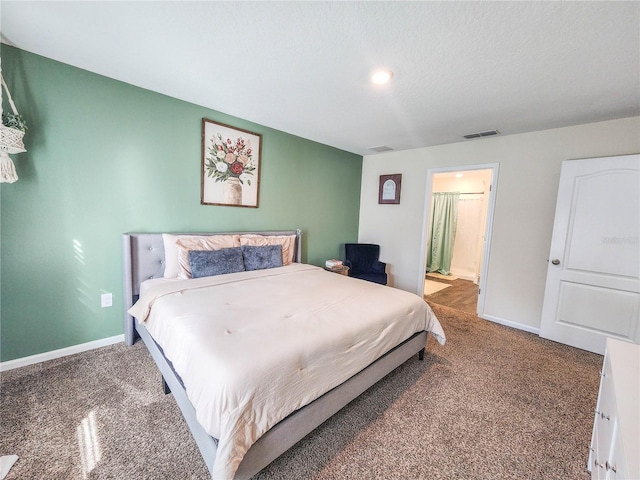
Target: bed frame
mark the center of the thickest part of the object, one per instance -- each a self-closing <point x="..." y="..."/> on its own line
<point x="143" y="258"/>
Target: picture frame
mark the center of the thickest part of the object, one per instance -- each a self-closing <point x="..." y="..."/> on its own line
<point x="230" y="165"/>
<point x="389" y="189"/>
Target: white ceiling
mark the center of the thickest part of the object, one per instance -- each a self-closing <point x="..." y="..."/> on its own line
<point x="303" y="67"/>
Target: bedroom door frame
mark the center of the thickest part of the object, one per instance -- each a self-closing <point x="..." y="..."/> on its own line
<point x="486" y="249"/>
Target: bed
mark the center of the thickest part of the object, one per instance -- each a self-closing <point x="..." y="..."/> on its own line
<point x="257" y="359"/>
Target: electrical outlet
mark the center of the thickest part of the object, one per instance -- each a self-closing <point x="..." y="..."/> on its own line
<point x="106" y="300"/>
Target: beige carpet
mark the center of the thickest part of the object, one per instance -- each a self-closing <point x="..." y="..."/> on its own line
<point x="493" y="403"/>
<point x="431" y="287"/>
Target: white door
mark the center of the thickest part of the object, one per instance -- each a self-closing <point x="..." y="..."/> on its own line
<point x="593" y="285"/>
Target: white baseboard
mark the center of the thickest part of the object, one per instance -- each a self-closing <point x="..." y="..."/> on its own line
<point x="509" y="323"/>
<point x="63" y="352"/>
<point x="465" y="276"/>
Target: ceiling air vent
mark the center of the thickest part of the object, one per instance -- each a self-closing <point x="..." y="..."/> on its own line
<point x="488" y="133"/>
<point x="381" y="148"/>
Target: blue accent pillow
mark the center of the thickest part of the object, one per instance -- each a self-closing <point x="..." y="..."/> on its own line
<point x="207" y="263"/>
<point x="259" y="258"/>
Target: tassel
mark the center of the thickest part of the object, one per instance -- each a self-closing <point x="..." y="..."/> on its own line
<point x="7" y="169"/>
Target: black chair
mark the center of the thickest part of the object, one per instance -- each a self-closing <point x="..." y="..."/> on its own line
<point x="362" y="260"/>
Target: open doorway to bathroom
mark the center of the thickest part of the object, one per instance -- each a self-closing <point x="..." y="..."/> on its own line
<point x="458" y="227"/>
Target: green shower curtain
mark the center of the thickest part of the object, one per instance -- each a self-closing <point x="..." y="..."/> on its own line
<point x="444" y="220"/>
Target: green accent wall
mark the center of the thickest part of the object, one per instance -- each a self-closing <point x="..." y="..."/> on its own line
<point x="104" y="158"/>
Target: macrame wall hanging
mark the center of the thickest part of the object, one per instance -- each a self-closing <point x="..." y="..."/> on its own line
<point x="11" y="133"/>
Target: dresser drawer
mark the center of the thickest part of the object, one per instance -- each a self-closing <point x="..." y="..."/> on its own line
<point x="616" y="427"/>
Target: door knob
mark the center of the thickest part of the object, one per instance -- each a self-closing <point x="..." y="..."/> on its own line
<point x="555" y="261"/>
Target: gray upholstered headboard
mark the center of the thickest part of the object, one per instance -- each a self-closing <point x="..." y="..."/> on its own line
<point x="143" y="259"/>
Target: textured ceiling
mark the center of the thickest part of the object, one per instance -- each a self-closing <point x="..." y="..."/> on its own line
<point x="303" y="67"/>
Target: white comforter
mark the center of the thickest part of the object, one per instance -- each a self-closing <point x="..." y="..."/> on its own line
<point x="253" y="347"/>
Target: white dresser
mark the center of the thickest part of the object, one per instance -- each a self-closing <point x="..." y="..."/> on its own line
<point x="615" y="444"/>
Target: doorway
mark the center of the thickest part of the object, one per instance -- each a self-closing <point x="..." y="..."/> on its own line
<point x="457" y="229"/>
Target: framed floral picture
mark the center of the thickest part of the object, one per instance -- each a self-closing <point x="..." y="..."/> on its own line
<point x="230" y="165"/>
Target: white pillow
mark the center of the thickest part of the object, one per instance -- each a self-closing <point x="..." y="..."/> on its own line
<point x="170" y="255"/>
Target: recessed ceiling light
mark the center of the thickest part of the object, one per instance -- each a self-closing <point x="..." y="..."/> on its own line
<point x="380" y="77"/>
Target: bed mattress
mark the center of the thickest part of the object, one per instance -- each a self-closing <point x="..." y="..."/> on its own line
<point x="253" y="347"/>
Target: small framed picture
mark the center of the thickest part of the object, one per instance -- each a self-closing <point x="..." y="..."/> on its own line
<point x="230" y="165"/>
<point x="389" y="191"/>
